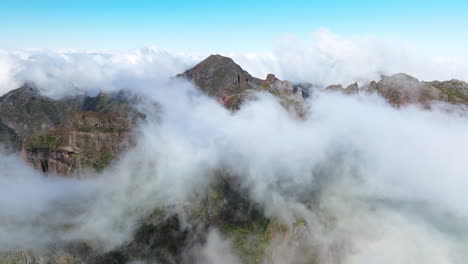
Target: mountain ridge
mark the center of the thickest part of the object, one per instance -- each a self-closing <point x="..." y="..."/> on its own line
<point x="67" y="136"/>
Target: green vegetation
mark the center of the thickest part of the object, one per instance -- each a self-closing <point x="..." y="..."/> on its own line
<point x="43" y="142"/>
<point x="105" y="157"/>
<point x="9" y="139"/>
<point x="249" y="237"/>
<point x="233" y="101"/>
<point x="99" y="163"/>
<point x="103" y="129"/>
<point x="275" y="92"/>
<point x="452" y="94"/>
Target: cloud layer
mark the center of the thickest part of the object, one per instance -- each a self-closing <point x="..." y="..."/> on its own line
<point x="323" y="59"/>
<point x="390" y="183"/>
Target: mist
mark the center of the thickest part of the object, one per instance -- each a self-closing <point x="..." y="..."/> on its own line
<point x="389" y="182"/>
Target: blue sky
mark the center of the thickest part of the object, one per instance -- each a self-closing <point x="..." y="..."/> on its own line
<point x="224" y="26"/>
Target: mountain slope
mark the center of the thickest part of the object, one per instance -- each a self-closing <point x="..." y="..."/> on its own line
<point x="28" y="113"/>
<point x="222" y="78"/>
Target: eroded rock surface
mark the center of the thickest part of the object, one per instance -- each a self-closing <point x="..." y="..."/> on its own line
<point x="82" y="140"/>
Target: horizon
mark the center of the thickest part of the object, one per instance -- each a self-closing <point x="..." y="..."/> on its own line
<point x="232" y="27"/>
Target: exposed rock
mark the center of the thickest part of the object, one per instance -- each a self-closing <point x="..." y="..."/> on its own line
<point x="334" y="88"/>
<point x="222" y="78"/>
<point x="28" y="257"/>
<point x="456" y="91"/>
<point x="285" y="87"/>
<point x="372" y="88"/>
<point x="84" y="139"/>
<point x="218" y="76"/>
<point x="402" y="89"/>
<point x="56" y="136"/>
<point x="352" y="89"/>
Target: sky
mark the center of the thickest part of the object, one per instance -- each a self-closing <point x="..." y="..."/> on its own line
<point x="438" y="27"/>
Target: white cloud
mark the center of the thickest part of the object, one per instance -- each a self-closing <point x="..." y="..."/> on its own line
<point x="323" y="59"/>
<point x="387" y="178"/>
<point x="69" y="72"/>
<point x="327" y="58"/>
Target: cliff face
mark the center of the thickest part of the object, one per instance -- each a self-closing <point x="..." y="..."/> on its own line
<point x="83" y="139"/>
<point x="65" y="136"/>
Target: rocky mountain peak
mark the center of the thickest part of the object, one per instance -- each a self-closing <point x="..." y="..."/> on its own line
<point x="221" y="77"/>
<point x="218" y="76"/>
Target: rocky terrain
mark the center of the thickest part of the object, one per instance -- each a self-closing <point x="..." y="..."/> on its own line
<point x="81" y="140"/>
<point x="223" y="79"/>
<point x="69" y="136"/>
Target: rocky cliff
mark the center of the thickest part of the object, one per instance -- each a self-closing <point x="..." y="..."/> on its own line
<point x="68" y="135"/>
<point x="82" y="140"/>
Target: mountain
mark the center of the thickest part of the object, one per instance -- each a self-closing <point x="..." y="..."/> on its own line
<point x="82" y="140"/>
<point x="82" y="133"/>
<point x="402" y="89"/>
<point x="28" y="113"/>
<point x="218" y="75"/>
<point x="222" y="78"/>
<point x="68" y="135"/>
<point x="455" y="90"/>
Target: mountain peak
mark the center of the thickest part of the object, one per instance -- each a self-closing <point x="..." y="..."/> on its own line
<point x="219" y="75"/>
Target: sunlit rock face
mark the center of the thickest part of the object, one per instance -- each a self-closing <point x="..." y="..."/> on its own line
<point x="82" y="140"/>
<point x="225" y="80"/>
<point x="65" y="136"/>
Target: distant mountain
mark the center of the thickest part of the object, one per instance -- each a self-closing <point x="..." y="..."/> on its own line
<point x="402" y="89"/>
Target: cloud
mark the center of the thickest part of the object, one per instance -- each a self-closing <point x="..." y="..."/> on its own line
<point x="323" y="59"/>
<point x="370" y="180"/>
<point x="70" y="72"/>
<point x="326" y="58"/>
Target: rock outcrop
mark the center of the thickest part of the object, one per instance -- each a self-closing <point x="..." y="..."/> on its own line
<point x="456" y="91"/>
<point x="82" y="140"/>
<point x="225" y="80"/>
<point x="218" y="76"/>
<point x="402" y="89"/>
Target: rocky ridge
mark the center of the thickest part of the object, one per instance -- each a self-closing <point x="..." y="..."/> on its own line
<point x="222" y="78"/>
